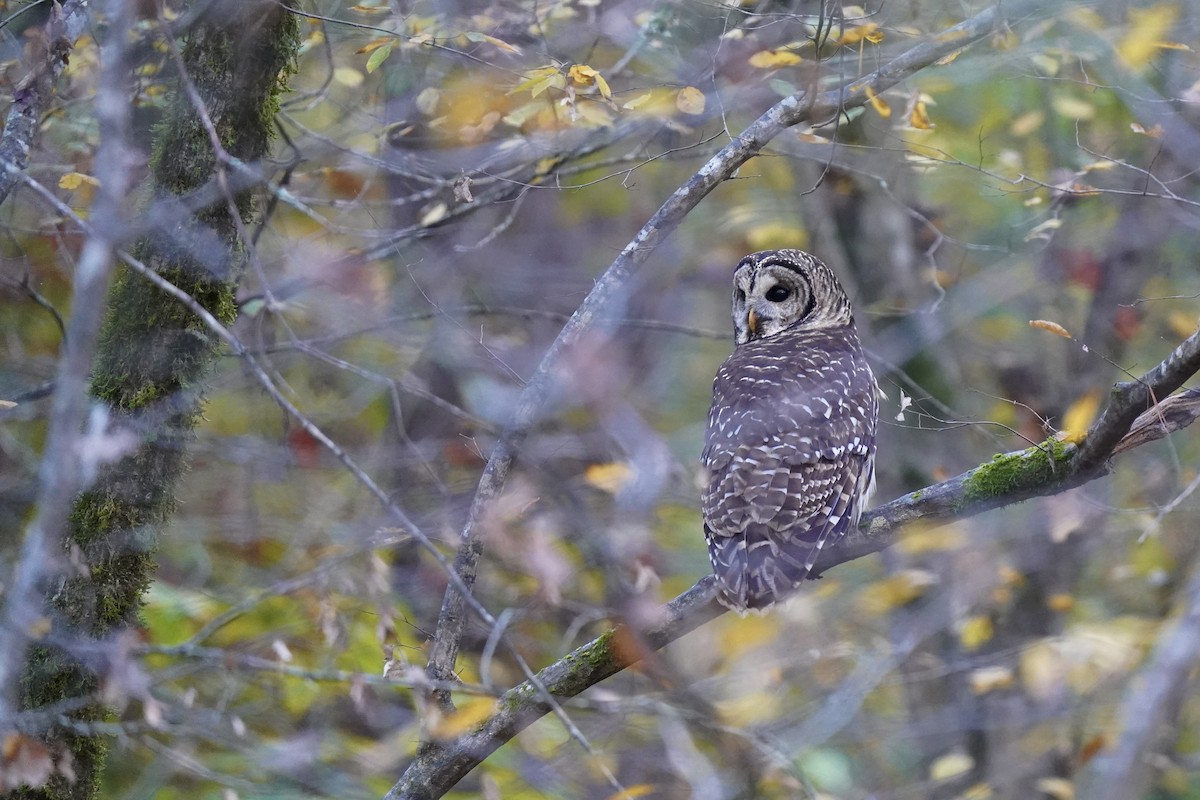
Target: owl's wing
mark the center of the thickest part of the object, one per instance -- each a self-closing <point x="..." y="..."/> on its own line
<point x="767" y="518"/>
<point x="789" y="449"/>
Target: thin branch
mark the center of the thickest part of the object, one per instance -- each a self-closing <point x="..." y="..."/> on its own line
<point x="591" y="314"/>
<point x="34" y="92"/>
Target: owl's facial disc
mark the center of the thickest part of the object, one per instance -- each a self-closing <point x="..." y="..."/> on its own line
<point x="768" y="298"/>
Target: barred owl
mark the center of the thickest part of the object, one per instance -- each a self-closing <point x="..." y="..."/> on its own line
<point x="790" y="446"/>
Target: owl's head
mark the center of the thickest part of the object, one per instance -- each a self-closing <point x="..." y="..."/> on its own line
<point x="774" y="290"/>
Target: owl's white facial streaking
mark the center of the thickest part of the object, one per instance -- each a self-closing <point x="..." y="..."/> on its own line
<point x="774" y="290"/>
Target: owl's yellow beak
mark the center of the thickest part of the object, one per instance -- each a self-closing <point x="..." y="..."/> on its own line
<point x="752" y="322"/>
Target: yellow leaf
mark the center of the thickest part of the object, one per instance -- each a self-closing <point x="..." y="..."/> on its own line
<point x="1056" y="788"/>
<point x="870" y="32"/>
<point x="1060" y="603"/>
<point x="990" y="679"/>
<point x="948" y="58"/>
<point x="1079" y="416"/>
<point x="976" y="632"/>
<point x="1053" y="327"/>
<point x="475" y="36"/>
<point x="918" y="539"/>
<point x="584" y="75"/>
<point x="434" y="214"/>
<point x="1172" y="46"/>
<point x="1182" y="323"/>
<point x="746" y="634"/>
<point x="919" y="118"/>
<point x="610" y="477"/>
<point x="602" y="85"/>
<point x="1146" y="29"/>
<point x="896" y="591"/>
<point x="630" y="792"/>
<point x="1044" y="231"/>
<point x="1043" y="670"/>
<point x="773" y="59"/>
<point x="690" y="100"/>
<point x="877" y="103"/>
<point x="535" y="77"/>
<point x="950" y="765"/>
<point x="365" y="9"/>
<point x="1027" y="123"/>
<point x="73" y="180"/>
<point x="1073" y="107"/>
<point x="348" y="76"/>
<point x="464" y="719"/>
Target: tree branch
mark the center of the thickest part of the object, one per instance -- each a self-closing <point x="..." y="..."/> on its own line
<point x="801" y="107"/>
<point x="36" y="89"/>
<point x="1048" y="468"/>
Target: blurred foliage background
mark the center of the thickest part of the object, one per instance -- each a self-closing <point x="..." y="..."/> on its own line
<point x="449" y="180"/>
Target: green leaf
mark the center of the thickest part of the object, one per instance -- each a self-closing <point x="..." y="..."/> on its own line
<point x="378" y="56"/>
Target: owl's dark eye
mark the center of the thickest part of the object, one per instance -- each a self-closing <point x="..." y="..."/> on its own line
<point x="777" y="294"/>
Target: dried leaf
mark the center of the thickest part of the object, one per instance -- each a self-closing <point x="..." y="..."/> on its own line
<point x="374" y="45"/>
<point x="1146" y="29"/>
<point x="1053" y="327"/>
<point x="976" y="632"/>
<point x="348" y="76"/>
<point x="73" y="180"/>
<point x="1044" y="231"/>
<point x="475" y="36"/>
<point x="919" y="117"/>
<point x="467" y="716"/>
<point x="610" y="477"/>
<point x="774" y="59"/>
<point x="990" y="679"/>
<point x="1079" y="417"/>
<point x="877" y="103"/>
<point x="1056" y="788"/>
<point x="630" y="792"/>
<point x="950" y="765"/>
<point x="690" y="100"/>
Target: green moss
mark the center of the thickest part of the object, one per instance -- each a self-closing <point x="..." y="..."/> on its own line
<point x="1010" y="473"/>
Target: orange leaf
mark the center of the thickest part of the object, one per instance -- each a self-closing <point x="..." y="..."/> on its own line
<point x="1053" y="327"/>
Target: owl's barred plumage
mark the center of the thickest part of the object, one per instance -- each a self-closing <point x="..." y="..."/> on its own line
<point x="790" y="446"/>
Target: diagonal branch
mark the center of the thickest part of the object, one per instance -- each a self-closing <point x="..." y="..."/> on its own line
<point x="1049" y="468"/>
<point x="590" y="315"/>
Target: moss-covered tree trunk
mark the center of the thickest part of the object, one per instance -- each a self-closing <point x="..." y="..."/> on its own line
<point x="153" y="352"/>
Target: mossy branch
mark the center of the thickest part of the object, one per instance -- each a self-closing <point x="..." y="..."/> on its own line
<point x="1044" y="469"/>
